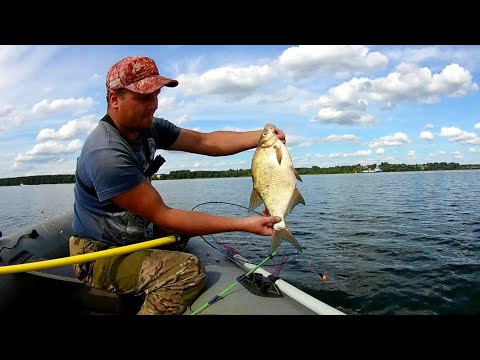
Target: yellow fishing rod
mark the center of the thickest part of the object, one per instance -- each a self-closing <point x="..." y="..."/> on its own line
<point x="77" y="259"/>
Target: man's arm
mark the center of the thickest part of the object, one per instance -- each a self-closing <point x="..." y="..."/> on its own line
<point x="218" y="143"/>
<point x="145" y="201"/>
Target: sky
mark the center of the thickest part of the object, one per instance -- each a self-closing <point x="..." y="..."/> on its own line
<point x="337" y="104"/>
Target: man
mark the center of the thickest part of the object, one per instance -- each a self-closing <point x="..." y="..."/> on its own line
<point x="115" y="203"/>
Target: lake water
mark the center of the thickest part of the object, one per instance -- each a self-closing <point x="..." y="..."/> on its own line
<point x="390" y="243"/>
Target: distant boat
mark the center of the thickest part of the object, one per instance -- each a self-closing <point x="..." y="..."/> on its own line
<point x="376" y="170"/>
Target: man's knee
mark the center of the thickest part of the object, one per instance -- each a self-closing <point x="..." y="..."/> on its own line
<point x="174" y="292"/>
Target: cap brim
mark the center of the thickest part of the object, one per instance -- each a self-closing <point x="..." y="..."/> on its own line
<point x="151" y="84"/>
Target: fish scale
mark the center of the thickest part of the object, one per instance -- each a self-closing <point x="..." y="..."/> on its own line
<point x="275" y="180"/>
<point x="274" y="183"/>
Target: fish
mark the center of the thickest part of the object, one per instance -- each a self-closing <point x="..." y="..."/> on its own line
<point x="274" y="181"/>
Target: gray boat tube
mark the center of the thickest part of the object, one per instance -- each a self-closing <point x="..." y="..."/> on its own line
<point x="293" y="292"/>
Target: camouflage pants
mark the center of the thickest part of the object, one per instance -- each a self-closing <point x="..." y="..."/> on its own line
<point x="169" y="281"/>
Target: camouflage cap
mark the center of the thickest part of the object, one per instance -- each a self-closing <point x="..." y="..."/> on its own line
<point x="138" y="74"/>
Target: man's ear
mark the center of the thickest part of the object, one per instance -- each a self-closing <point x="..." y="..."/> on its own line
<point x="113" y="99"/>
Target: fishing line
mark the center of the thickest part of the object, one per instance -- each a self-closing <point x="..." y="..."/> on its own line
<point x="252" y="246"/>
<point x="60" y="231"/>
<point x="322" y="276"/>
<point x="229" y="242"/>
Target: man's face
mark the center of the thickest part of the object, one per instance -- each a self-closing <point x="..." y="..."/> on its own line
<point x="135" y="111"/>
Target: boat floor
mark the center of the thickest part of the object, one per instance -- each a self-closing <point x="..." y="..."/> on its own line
<point x="57" y="291"/>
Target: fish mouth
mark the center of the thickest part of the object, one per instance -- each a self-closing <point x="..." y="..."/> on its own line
<point x="269" y="127"/>
<point x="268" y="135"/>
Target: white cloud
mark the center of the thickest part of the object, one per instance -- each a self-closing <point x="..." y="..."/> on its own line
<point x="230" y="82"/>
<point x="53" y="147"/>
<point x="427" y="135"/>
<point x="362" y="152"/>
<point x="345" y="103"/>
<point x="341" y="60"/>
<point x="455" y="134"/>
<point x="71" y="104"/>
<point x="397" y="139"/>
<point x="71" y="129"/>
<point x="282" y="96"/>
<point x="181" y="121"/>
<point x="346" y="138"/>
<point x="5" y="110"/>
<point x="458" y="155"/>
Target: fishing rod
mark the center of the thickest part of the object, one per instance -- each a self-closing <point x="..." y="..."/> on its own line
<point x="249" y="266"/>
<point x="238" y="280"/>
<point x="60" y="231"/>
<point x="77" y="259"/>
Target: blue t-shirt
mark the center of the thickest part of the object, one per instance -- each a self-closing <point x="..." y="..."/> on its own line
<point x="111" y="165"/>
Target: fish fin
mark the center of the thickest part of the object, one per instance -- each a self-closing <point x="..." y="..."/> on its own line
<point x="255" y="200"/>
<point x="283" y="234"/>
<point x="297" y="175"/>
<point x="278" y="152"/>
<point x="297" y="198"/>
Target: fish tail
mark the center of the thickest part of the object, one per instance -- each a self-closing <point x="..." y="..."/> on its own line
<point x="283" y="234"/>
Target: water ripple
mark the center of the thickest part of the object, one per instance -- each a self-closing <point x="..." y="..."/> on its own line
<point x="390" y="243"/>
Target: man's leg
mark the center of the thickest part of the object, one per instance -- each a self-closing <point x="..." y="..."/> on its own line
<point x="169" y="280"/>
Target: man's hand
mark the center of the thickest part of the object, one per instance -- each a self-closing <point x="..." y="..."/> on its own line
<point x="261" y="225"/>
<point x="280" y="134"/>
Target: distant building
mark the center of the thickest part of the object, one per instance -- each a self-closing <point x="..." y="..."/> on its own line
<point x="377" y="169"/>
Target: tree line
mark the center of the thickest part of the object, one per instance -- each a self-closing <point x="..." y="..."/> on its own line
<point x="202" y="174"/>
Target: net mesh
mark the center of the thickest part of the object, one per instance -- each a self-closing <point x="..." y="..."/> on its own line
<point x="251" y="247"/>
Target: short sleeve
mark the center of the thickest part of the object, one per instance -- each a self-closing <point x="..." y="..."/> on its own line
<point x="164" y="132"/>
<point x="113" y="171"/>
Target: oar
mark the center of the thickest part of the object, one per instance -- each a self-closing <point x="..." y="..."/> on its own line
<point x="77" y="259"/>
<point x="239" y="279"/>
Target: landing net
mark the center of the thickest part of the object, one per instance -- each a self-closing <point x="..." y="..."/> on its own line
<point x="250" y="247"/>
